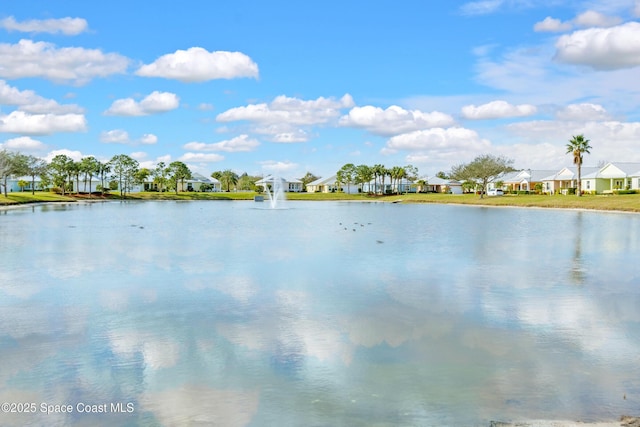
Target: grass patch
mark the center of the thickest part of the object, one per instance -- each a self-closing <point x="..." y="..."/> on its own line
<point x="626" y="203"/>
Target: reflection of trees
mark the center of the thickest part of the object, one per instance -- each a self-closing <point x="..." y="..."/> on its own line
<point x="577" y="265"/>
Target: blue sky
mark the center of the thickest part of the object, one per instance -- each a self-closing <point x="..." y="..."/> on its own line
<point x="292" y="87"/>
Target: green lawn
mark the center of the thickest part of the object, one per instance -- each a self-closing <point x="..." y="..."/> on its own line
<point x="627" y="202"/>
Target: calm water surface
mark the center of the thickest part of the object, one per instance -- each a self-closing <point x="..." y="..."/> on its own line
<point x="322" y="314"/>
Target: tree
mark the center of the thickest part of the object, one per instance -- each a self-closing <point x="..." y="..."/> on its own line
<point x="160" y="174"/>
<point x="228" y="178"/>
<point x="89" y="166"/>
<point x="379" y="171"/>
<point x="246" y="182"/>
<point x="346" y="175"/>
<point x="364" y="175"/>
<point x="442" y="175"/>
<point x="577" y="146"/>
<point x="22" y="183"/>
<point x="308" y="178"/>
<point x="5" y="168"/>
<point x="396" y="174"/>
<point x="482" y="170"/>
<point x="178" y="172"/>
<point x="102" y="171"/>
<point x="142" y="176"/>
<point x="36" y="167"/>
<point x="124" y="169"/>
<point x="60" y="168"/>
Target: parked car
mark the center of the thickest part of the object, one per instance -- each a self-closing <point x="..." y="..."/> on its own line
<point x="495" y="192"/>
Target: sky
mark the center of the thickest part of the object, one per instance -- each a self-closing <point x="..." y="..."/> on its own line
<point x="292" y="87"/>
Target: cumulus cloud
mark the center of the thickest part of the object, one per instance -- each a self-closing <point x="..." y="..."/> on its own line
<point x="240" y="143"/>
<point x="497" y="110"/>
<point x="61" y="65"/>
<point x="584" y="112"/>
<point x="30" y="102"/>
<point x="272" y="166"/>
<point x="41" y="124"/>
<point x="455" y="138"/>
<point x="23" y="143"/>
<point x="201" y="157"/>
<point x="67" y="26"/>
<point x="282" y="118"/>
<point x="552" y="25"/>
<point x="154" y="103"/>
<point x="602" y="48"/>
<point x="592" y="18"/>
<point x="198" y="65"/>
<point x="119" y="136"/>
<point x="74" y="154"/>
<point x="394" y="120"/>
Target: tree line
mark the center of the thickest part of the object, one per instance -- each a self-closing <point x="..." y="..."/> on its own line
<point x="121" y="173"/>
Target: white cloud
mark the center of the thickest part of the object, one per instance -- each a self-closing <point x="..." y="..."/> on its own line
<point x="23" y="143"/>
<point x="154" y="103"/>
<point x="29" y="101"/>
<point x="198" y="65"/>
<point x="611" y="140"/>
<point x="282" y="118"/>
<point x="41" y="124"/>
<point x="148" y="139"/>
<point x="592" y="18"/>
<point x="454" y="139"/>
<point x="74" y="154"/>
<point x="394" y="120"/>
<point x="552" y="25"/>
<point x="602" y="48"/>
<point x="119" y="136"/>
<point x="284" y="109"/>
<point x="240" y="143"/>
<point x="66" y="65"/>
<point x="636" y="9"/>
<point x="272" y="166"/>
<point x="584" y="112"/>
<point x="201" y="157"/>
<point x="497" y="110"/>
<point x="67" y="26"/>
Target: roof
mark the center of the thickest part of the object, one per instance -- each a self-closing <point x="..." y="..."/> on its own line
<point x="271" y="178"/>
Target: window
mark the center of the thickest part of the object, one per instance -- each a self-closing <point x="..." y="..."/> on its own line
<point x="588" y="185"/>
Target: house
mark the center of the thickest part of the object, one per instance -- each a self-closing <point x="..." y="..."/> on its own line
<point x="440" y="185"/>
<point x="330" y="185"/>
<point x="287" y="185"/>
<point x="524" y="180"/>
<point x="563" y="180"/>
<point x="12" y="184"/>
<point x="199" y="182"/>
<point x="611" y="177"/>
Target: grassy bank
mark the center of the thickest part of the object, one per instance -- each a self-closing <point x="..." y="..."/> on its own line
<point x="627" y="202"/>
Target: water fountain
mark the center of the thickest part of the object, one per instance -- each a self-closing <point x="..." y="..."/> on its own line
<point x="276" y="192"/>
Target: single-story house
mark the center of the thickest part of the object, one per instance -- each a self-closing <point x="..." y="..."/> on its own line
<point x="197" y="181"/>
<point x="611" y="177"/>
<point x="440" y="185"/>
<point x="330" y="185"/>
<point x="525" y="180"/>
<point x="564" y="179"/>
<point x="12" y="184"/>
<point x="287" y="185"/>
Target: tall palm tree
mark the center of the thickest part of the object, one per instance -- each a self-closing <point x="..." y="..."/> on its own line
<point x="577" y="146"/>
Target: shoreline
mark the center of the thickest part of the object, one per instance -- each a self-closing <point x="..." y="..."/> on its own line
<point x="624" y="421"/>
<point x="22" y="205"/>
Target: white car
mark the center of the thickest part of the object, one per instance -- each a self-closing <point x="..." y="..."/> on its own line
<point x="495" y="192"/>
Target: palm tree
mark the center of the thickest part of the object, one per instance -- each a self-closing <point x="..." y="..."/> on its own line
<point x="228" y="178"/>
<point x="577" y="146"/>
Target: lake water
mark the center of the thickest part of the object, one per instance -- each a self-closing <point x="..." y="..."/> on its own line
<point x="321" y="314"/>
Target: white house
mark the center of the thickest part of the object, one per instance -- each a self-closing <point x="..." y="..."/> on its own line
<point x="611" y="177"/>
<point x="525" y="180"/>
<point x="287" y="185"/>
<point x="330" y="185"/>
<point x="12" y="183"/>
<point x="440" y="185"/>
<point x="197" y="181"/>
<point x="564" y="179"/>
